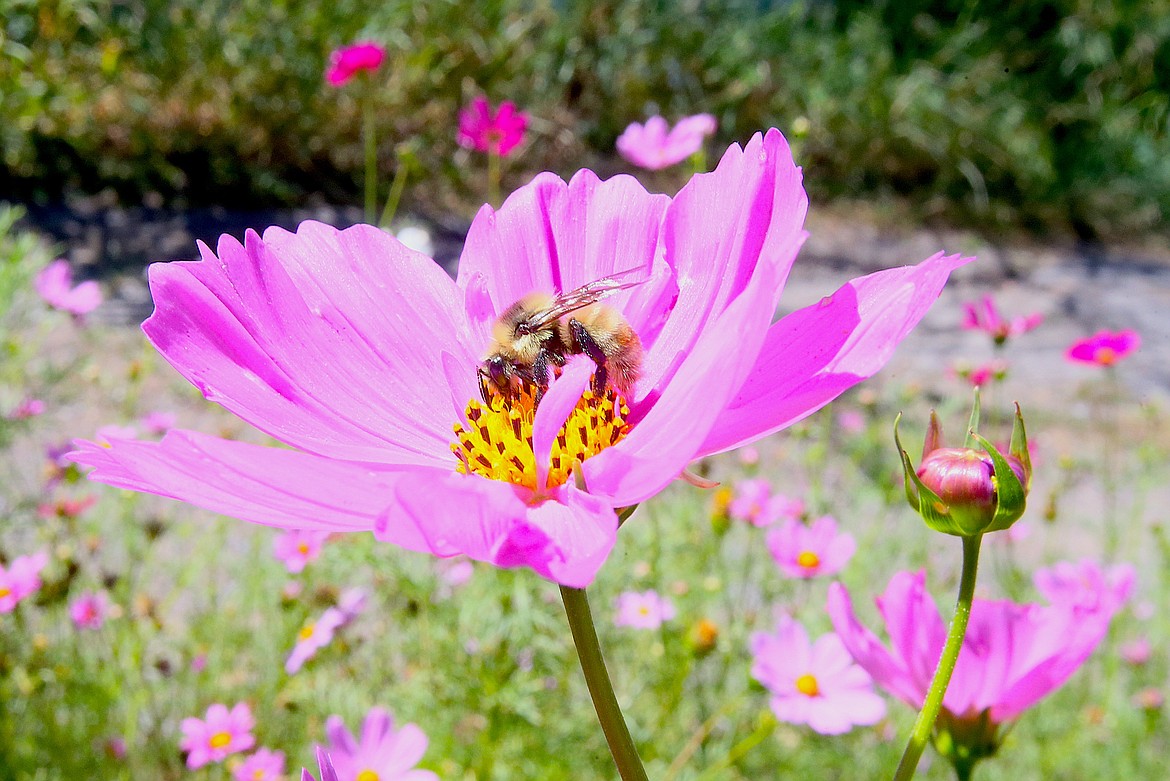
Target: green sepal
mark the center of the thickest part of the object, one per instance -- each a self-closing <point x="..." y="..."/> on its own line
<point x="1019" y="446"/>
<point x="973" y="423"/>
<point x="1010" y="496"/>
<point x="926" y="502"/>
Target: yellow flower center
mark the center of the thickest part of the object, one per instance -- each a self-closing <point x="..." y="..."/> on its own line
<point x="259" y="775"/>
<point x="306" y="631"/>
<point x="807" y="685"/>
<point x="303" y="548"/>
<point x="496" y="442"/>
<point x="1106" y="356"/>
<point x="367" y="775"/>
<point x="808" y="559"/>
<point x="220" y="740"/>
<point x="4" y="591"/>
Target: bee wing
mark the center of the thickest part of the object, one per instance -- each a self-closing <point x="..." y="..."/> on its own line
<point x="581" y="297"/>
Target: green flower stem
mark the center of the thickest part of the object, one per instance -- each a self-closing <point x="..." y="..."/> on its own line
<point x="493" y="175"/>
<point x="766" y="728"/>
<point x="946" y="665"/>
<point x="371" y="147"/>
<point x="397" y="185"/>
<point x="617" y="735"/>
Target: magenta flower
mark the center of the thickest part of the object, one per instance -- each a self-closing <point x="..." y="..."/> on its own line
<point x="90" y="610"/>
<point x="982" y="375"/>
<point x="814" y="683"/>
<point x="485" y="130"/>
<point x="362" y="357"/>
<point x="1013" y="655"/>
<point x="27" y="408"/>
<point x="809" y="551"/>
<point x="1104" y="348"/>
<point x="21" y="579"/>
<point x="325" y="767"/>
<point x="297" y="547"/>
<point x="315" y="635"/>
<point x="983" y="316"/>
<point x="754" y="502"/>
<point x="264" y="765"/>
<point x="1086" y="584"/>
<point x="349" y="61"/>
<point x="220" y="733"/>
<point x="643" y="610"/>
<point x="382" y="753"/>
<point x="656" y="145"/>
<point x="54" y="284"/>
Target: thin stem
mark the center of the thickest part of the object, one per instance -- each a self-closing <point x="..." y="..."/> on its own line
<point x="397" y="185"/>
<point x="946" y="665"/>
<point x="371" y="147"/>
<point x="493" y="173"/>
<point x="609" y="713"/>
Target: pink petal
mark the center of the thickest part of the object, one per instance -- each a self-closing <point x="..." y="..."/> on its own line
<point x="264" y="485"/>
<point x="332" y="341"/>
<point x="865" y="648"/>
<point x="815" y="353"/>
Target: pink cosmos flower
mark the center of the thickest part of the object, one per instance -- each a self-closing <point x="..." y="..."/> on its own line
<point x="65" y="507"/>
<point x="1013" y="655"/>
<point x="21" y="579"/>
<point x="220" y="733"/>
<point x="264" y="765"/>
<point x="808" y="551"/>
<point x="982" y="375"/>
<point x="1086" y="584"/>
<point x="656" y="145"/>
<point x="89" y="611"/>
<point x="643" y="610"/>
<point x="382" y="752"/>
<point x="349" y="61"/>
<point x="315" y="635"/>
<point x="158" y="422"/>
<point x="814" y="683"/>
<point x="297" y="547"/>
<point x="484" y="130"/>
<point x="361" y="355"/>
<point x="54" y="284"/>
<point x="1137" y="651"/>
<point x="983" y="316"/>
<point x="754" y="502"/>
<point x="27" y="408"/>
<point x="1104" y="348"/>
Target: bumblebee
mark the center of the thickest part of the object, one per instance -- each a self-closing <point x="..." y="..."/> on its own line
<point x="535" y="335"/>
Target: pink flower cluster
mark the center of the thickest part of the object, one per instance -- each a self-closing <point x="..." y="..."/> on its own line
<point x="656" y="145"/>
<point x="21" y="579"/>
<point x="497" y="131"/>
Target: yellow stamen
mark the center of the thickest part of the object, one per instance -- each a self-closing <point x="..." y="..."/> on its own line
<point x="496" y="441"/>
<point x="807" y="685"/>
<point x="220" y="740"/>
<point x="4" y="591"/>
<point x="368" y="775"/>
<point x="808" y="559"/>
<point x="302" y="548"/>
<point x="306" y="631"/>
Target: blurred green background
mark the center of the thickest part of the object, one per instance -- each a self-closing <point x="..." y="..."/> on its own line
<point x="1046" y="117"/>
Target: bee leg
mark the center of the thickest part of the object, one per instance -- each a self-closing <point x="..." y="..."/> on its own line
<point x="540" y="374"/>
<point x="590" y="347"/>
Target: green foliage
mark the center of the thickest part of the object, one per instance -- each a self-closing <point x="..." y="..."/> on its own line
<point x="1047" y="115"/>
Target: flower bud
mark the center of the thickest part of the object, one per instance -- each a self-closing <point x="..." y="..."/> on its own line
<point x="969" y="490"/>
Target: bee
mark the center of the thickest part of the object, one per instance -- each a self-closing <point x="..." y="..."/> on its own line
<point x="535" y="335"/>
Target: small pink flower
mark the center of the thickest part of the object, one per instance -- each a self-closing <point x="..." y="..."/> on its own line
<point x="809" y="551"/>
<point x="456" y="571"/>
<point x="643" y="610"/>
<point x="1137" y="651"/>
<point x="983" y="316"/>
<point x="27" y="408"/>
<point x="349" y="61"/>
<point x="1104" y="348"/>
<point x="264" y="765"/>
<point x="382" y="753"/>
<point x="851" y="421"/>
<point x="158" y="422"/>
<point x="297" y="547"/>
<point x="54" y="284"/>
<point x="754" y="503"/>
<point x="1013" y="655"/>
<point x="814" y="683"/>
<point x="314" y="636"/>
<point x="21" y="579"/>
<point x="90" y="610"/>
<point x="982" y="375"/>
<point x="656" y="145"/>
<point x="65" y="507"/>
<point x="1086" y="584"/>
<point x="220" y="733"/>
<point x="498" y="132"/>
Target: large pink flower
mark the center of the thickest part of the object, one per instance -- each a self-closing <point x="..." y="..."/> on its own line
<point x="1012" y="656"/>
<point x="656" y="145"/>
<point x="361" y="355"/>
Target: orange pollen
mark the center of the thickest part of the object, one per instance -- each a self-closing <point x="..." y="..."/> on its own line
<point x="807" y="685"/>
<point x="302" y="548"/>
<point x="4" y="591"/>
<point x="1106" y="356"/>
<point x="306" y="631"/>
<point x="220" y="740"/>
<point x="496" y="441"/>
<point x="367" y="775"/>
<point x="808" y="559"/>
